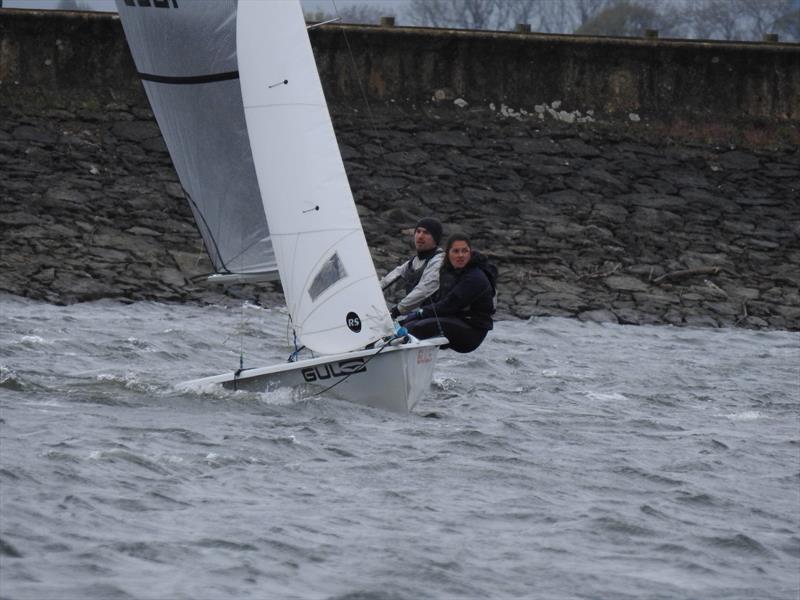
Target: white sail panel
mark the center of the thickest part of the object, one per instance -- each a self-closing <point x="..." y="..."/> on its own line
<point x="186" y="55"/>
<point x="327" y="273"/>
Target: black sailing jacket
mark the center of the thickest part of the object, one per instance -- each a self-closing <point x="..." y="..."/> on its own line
<point x="464" y="293"/>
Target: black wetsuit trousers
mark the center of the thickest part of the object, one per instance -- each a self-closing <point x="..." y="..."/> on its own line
<point x="462" y="337"/>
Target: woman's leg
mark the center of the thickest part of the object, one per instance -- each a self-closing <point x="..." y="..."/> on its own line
<point x="461" y="336"/>
<point x="423" y="328"/>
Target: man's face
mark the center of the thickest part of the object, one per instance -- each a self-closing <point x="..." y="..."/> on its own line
<point x="423" y="240"/>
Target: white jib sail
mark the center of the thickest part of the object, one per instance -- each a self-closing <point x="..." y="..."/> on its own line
<point x="327" y="273"/>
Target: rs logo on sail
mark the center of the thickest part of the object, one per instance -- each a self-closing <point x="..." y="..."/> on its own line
<point x="153" y="3"/>
<point x="341" y="369"/>
<point x="353" y="322"/>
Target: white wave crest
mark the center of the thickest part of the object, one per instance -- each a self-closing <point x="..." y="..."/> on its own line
<point x="606" y="396"/>
<point x="33" y="340"/>
<point x="128" y="380"/>
<point x="747" y="415"/>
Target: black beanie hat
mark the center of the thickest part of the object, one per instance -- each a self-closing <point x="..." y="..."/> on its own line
<point x="433" y="226"/>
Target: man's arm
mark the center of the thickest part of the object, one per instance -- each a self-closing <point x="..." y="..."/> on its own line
<point x="392" y="276"/>
<point x="427" y="286"/>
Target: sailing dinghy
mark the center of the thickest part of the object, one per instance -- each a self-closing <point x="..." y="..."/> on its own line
<point x="236" y="93"/>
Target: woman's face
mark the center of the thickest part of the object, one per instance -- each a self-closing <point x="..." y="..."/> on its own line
<point x="459" y="254"/>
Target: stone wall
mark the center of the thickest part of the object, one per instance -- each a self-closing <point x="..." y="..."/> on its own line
<point x="603" y="218"/>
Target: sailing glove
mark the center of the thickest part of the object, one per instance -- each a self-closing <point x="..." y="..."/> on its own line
<point x="394" y="312"/>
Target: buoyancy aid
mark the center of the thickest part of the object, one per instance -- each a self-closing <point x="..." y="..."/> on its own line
<point x="410" y="276"/>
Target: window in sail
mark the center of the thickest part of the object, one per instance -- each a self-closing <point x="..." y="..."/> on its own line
<point x="332" y="270"/>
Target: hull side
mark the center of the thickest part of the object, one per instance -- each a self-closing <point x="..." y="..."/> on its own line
<point x="393" y="379"/>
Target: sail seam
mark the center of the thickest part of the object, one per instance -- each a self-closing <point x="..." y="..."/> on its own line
<point x="190" y="80"/>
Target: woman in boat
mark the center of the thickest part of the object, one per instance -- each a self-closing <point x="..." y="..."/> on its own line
<point x="462" y="309"/>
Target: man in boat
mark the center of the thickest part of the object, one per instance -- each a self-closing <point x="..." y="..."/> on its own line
<point x="419" y="276"/>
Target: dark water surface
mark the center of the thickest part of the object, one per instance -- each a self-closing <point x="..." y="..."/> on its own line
<point x="568" y="460"/>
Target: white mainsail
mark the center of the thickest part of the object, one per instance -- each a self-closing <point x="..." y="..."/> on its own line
<point x="186" y="55"/>
<point x="328" y="277"/>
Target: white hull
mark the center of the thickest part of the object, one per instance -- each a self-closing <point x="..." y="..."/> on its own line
<point x="392" y="378"/>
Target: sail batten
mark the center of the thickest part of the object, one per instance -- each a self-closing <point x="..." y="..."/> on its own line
<point x="189" y="79"/>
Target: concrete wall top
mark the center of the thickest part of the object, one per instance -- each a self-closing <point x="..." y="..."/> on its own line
<point x="610" y="76"/>
<point x="57" y="58"/>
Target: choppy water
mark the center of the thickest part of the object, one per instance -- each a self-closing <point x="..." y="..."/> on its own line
<point x="569" y="460"/>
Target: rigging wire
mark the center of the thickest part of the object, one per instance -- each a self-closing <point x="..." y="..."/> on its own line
<point x="205" y="226"/>
<point x="297" y="349"/>
<point x="438" y="322"/>
<point x="241" y="318"/>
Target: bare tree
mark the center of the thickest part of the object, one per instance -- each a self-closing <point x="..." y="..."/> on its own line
<point x="72" y="5"/>
<point x="565" y="16"/>
<point x="467" y="14"/>
<point x="764" y="16"/>
<point x="671" y="18"/>
<point x="520" y="11"/>
<point x="364" y="14"/>
<point x="743" y="19"/>
<point x="714" y="19"/>
<point x="553" y="16"/>
<point x="584" y="10"/>
<point x="711" y="19"/>
<point x="788" y="26"/>
<point x="622" y="18"/>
